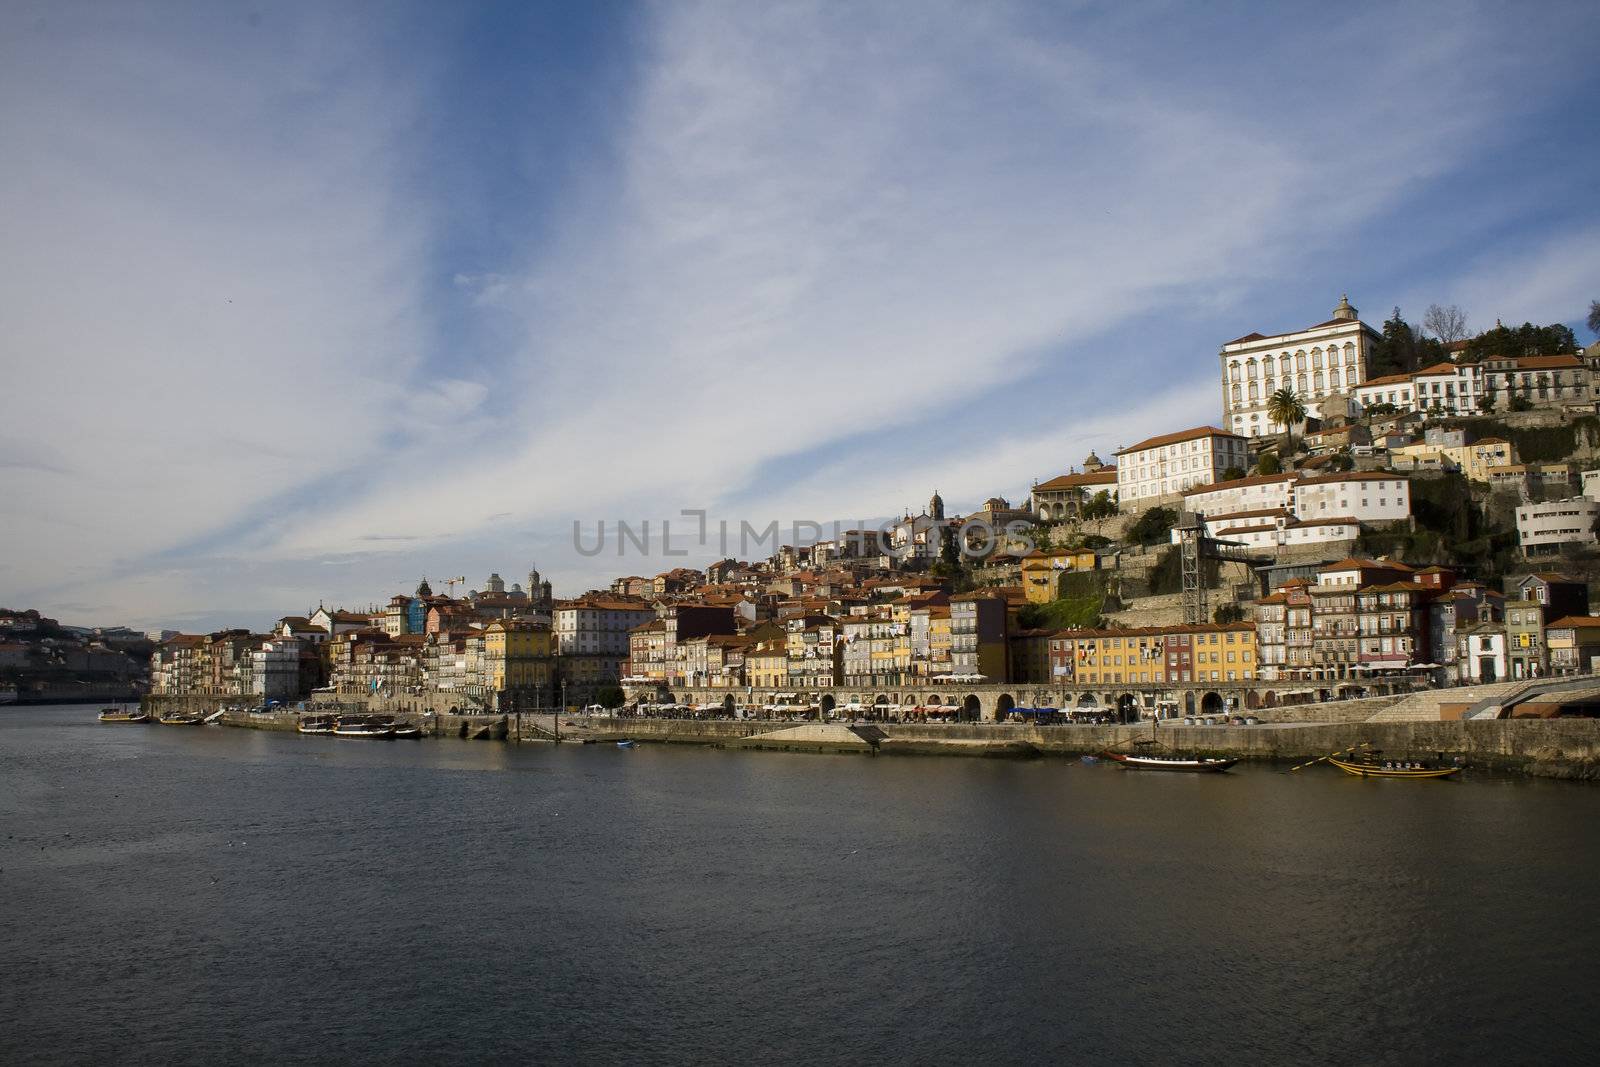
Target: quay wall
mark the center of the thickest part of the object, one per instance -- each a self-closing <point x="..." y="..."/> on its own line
<point x="1557" y="748"/>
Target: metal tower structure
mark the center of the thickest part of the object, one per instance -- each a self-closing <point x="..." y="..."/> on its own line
<point x="1194" y="549"/>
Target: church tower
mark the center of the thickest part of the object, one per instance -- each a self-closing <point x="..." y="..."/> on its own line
<point x="936" y="506"/>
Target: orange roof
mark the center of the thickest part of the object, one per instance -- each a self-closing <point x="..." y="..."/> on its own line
<point x="1355" y="562"/>
<point x="1548" y="362"/>
<point x="1174" y="438"/>
<point x="1240" y="483"/>
<point x="1079" y="481"/>
<point x="1438" y="368"/>
<point x="1388" y="379"/>
<point x="1354" y="476"/>
<point x="1586" y="622"/>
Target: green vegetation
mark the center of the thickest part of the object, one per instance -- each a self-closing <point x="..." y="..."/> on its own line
<point x="1451" y="530"/>
<point x="1081" y="605"/>
<point x="1152" y="527"/>
<point x="1268" y="463"/>
<point x="1099" y="507"/>
<point x="1231" y="473"/>
<point x="1402" y="349"/>
<point x="610" y="696"/>
<point x="1227" y="613"/>
<point x="1286" y="408"/>
<point x="1525" y="340"/>
<point x="1538" y="444"/>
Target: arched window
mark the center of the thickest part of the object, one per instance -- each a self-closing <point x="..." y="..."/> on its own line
<point x="1333" y="357"/>
<point x="1316" y="379"/>
<point x="1300" y="361"/>
<point x="1302" y="384"/>
<point x="1283" y="365"/>
<point x="1316" y="359"/>
<point x="1233" y="371"/>
<point x="1350" y="377"/>
<point x="1254" y="387"/>
<point x="1235" y="392"/>
<point x="1349" y="353"/>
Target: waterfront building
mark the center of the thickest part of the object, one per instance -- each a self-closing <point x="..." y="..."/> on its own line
<point x="591" y="641"/>
<point x="647" y="653"/>
<point x="1359" y="619"/>
<point x="518" y="664"/>
<point x="277" y="670"/>
<point x="1319" y="363"/>
<point x="1162" y="467"/>
<point x="1574" y="644"/>
<point x="978" y="634"/>
<point x="1481" y="653"/>
<point x="1212" y="652"/>
<point x="1028" y="653"/>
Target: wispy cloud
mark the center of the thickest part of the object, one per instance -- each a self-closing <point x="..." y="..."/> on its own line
<point x="828" y="257"/>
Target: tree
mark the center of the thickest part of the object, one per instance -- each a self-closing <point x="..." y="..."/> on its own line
<point x="1153" y="526"/>
<point x="1594" y="317"/>
<point x="1526" y="340"/>
<point x="1286" y="408"/>
<point x="1099" y="507"/>
<point x="1486" y="401"/>
<point x="1402" y="349"/>
<point x="1268" y="463"/>
<point x="1231" y="473"/>
<point x="1227" y="613"/>
<point x="1520" y="403"/>
<point x="1447" y="324"/>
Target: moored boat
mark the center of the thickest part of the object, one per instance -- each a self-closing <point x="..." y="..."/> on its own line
<point x="363" y="726"/>
<point x="318" y="724"/>
<point x="181" y="718"/>
<point x="624" y="744"/>
<point x="1170" y="763"/>
<point x="1370" y="766"/>
<point x="407" y="730"/>
<point x="123" y="715"/>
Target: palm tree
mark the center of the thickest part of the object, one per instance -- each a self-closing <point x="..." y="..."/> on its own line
<point x="1286" y="407"/>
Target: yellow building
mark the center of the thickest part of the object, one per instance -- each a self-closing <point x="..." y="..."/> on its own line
<point x="1042" y="571"/>
<point x="766" y="666"/>
<point x="517" y="657"/>
<point x="1155" y="655"/>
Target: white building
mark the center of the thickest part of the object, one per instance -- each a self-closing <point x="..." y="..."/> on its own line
<point x="1281" y="530"/>
<point x="1543" y="528"/>
<point x="1254" y="493"/>
<point x="1444" y="388"/>
<point x="1365" y="496"/>
<point x="1321" y="361"/>
<point x="275" y="669"/>
<point x="597" y="626"/>
<point x="1167" y="465"/>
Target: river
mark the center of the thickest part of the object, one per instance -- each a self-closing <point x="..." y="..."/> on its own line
<point x="213" y="895"/>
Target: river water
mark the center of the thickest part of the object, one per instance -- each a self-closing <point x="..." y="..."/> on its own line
<point x="212" y="895"/>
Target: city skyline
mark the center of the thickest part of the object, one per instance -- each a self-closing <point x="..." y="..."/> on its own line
<point x="304" y="306"/>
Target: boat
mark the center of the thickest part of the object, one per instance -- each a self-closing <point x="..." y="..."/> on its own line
<point x="181" y="718"/>
<point x="407" y="730"/>
<point x="624" y="744"/>
<point x="1170" y="763"/>
<point x="362" y="726"/>
<point x="124" y="715"/>
<point x="318" y="724"/>
<point x="1369" y="765"/>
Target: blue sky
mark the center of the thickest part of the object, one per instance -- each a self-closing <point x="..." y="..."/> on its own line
<point x="304" y="301"/>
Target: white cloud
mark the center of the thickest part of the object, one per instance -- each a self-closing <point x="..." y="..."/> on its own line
<point x="827" y="222"/>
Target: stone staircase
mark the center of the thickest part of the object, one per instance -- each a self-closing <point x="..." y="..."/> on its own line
<point x="1424" y="706"/>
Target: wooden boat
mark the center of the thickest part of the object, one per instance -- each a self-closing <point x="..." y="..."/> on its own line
<point x="318" y="724"/>
<point x="407" y="730"/>
<point x="181" y="718"/>
<point x="123" y="715"/>
<point x="1169" y="763"/>
<point x="361" y="726"/>
<point x="1372" y="767"/>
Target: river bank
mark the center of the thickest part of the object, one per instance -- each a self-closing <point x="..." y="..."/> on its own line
<point x="1545" y="748"/>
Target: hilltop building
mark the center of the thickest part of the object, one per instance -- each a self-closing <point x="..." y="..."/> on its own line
<point x="1319" y="362"/>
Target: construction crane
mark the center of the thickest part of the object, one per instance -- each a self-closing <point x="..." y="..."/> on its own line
<point x="451" y="583"/>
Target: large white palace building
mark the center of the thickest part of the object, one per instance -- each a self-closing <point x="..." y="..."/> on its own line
<point x="1321" y="361"/>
